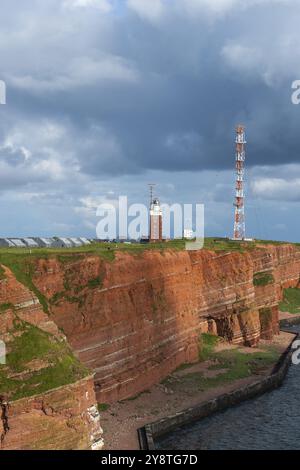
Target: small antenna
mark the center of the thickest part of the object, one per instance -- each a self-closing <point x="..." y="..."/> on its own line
<point x="151" y="190"/>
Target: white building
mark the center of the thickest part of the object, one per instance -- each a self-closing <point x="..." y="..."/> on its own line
<point x="188" y="234"/>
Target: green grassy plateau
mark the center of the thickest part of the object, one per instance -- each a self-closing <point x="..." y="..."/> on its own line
<point x="291" y="301"/>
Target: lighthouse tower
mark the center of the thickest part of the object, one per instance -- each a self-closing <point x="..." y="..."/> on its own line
<point x="155" y="221"/>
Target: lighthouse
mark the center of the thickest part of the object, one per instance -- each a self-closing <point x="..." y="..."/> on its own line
<point x="155" y="221"/>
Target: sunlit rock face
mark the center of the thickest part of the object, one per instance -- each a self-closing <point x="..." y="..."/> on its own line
<point x="135" y="319"/>
<point x="65" y="415"/>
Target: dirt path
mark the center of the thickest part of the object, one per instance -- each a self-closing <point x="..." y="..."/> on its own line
<point x="285" y="315"/>
<point x="121" y="421"/>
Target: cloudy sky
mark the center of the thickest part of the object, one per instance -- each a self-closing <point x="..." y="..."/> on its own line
<point x="105" y="96"/>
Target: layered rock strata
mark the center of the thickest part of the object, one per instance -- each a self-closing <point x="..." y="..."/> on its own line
<point x="137" y="318"/>
<point x="62" y="417"/>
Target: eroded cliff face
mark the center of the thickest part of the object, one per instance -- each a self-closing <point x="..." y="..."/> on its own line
<point x="66" y="418"/>
<point x="132" y="321"/>
<point x="281" y="263"/>
<point x="245" y="306"/>
<point x="136" y="319"/>
<point x="47" y="398"/>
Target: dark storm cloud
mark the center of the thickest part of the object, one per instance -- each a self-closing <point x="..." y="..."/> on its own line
<point x="165" y="89"/>
<point x="103" y="94"/>
<point x="11" y="156"/>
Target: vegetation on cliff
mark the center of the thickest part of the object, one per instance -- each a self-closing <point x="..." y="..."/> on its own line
<point x="36" y="362"/>
<point x="22" y="261"/>
<point x="5" y="306"/>
<point x="73" y="279"/>
<point x="207" y="344"/>
<point x="22" y="267"/>
<point x="263" y="279"/>
<point x="228" y="365"/>
<point x="108" y="250"/>
<point x="23" y="264"/>
<point x="291" y="301"/>
<point x="265" y="318"/>
<point x="2" y="273"/>
<point x="236" y="364"/>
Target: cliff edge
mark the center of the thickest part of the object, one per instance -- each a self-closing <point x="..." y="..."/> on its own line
<point x="131" y="319"/>
<point x="47" y="398"/>
<point x="135" y="319"/>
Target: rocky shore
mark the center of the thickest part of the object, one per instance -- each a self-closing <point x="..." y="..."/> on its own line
<point x="188" y="387"/>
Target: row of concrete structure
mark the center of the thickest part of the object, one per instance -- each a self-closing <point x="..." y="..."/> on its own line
<point x="40" y="242"/>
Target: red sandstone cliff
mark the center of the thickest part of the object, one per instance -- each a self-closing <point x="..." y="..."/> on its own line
<point x="134" y="328"/>
<point x="65" y="417"/>
<point x="136" y="319"/>
<point x="132" y="321"/>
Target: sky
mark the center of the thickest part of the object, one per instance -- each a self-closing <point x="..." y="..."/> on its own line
<point x="106" y="96"/>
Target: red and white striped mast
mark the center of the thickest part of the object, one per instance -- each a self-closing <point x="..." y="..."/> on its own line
<point x="239" y="216"/>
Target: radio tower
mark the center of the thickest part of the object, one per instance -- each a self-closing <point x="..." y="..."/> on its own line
<point x="239" y="216"/>
<point x="151" y="190"/>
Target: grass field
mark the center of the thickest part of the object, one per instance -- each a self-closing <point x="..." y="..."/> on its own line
<point x="108" y="250"/>
<point x="232" y="364"/>
<point x="291" y="301"/>
<point x="237" y="365"/>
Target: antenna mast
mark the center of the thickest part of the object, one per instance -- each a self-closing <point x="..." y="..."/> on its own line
<point x="239" y="216"/>
<point x="151" y="190"/>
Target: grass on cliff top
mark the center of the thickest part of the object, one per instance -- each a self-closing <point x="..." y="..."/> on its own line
<point x="21" y="266"/>
<point x="291" y="301"/>
<point x="225" y="244"/>
<point x="21" y="260"/>
<point x="107" y="251"/>
<point x="37" y="362"/>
